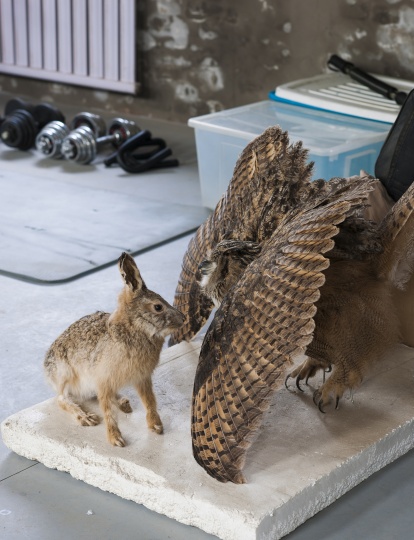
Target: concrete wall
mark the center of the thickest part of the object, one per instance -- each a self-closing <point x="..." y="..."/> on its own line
<point x="200" y="56"/>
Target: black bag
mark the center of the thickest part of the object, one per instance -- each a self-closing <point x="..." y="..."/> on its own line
<point x="395" y="163"/>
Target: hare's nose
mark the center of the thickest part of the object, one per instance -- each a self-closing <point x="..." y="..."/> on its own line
<point x="180" y="317"/>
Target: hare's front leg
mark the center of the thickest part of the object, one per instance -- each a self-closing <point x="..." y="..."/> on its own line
<point x="146" y="393"/>
<point x="107" y="400"/>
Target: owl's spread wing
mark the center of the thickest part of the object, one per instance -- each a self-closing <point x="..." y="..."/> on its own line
<point x="268" y="180"/>
<point x="265" y="320"/>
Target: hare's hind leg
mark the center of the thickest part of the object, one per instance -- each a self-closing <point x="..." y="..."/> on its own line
<point x="146" y="393"/>
<point x="123" y="404"/>
<point x="67" y="403"/>
<point x="107" y="400"/>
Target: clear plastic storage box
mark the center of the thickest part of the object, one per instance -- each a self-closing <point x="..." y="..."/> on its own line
<point x="339" y="145"/>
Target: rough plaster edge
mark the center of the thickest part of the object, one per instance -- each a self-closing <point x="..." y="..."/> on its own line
<point x="342" y="479"/>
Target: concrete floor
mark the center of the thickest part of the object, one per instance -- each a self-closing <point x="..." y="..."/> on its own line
<point x="39" y="503"/>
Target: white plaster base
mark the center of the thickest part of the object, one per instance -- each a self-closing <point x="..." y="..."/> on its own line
<point x="301" y="462"/>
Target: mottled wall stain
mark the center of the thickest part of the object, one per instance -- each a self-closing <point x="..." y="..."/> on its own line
<point x="397" y="38"/>
<point x="201" y="56"/>
<point x="381" y="39"/>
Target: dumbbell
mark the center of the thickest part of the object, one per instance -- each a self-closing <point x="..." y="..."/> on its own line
<point x="82" y="145"/>
<point x="49" y="141"/>
<point x="22" y="122"/>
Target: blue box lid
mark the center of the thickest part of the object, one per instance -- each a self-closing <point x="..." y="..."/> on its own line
<point x="322" y="132"/>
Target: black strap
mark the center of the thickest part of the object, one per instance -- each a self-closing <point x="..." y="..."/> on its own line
<point x="133" y="160"/>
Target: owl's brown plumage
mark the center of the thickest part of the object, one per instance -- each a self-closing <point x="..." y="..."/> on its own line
<point x="264" y="320"/>
<point x="270" y="300"/>
<point x="339" y="307"/>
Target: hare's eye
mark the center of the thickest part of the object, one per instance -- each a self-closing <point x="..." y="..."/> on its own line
<point x="158" y="307"/>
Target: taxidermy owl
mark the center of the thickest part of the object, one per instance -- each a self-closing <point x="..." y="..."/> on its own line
<point x="291" y="266"/>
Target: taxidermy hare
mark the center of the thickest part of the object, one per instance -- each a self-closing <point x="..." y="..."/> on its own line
<point x="101" y="353"/>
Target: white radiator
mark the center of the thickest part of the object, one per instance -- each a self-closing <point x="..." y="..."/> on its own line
<point x="84" y="42"/>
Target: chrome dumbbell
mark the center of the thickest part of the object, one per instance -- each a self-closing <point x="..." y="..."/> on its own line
<point x="82" y="145"/>
<point x="49" y="141"/>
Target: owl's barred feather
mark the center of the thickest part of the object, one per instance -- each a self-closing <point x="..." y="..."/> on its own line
<point x="284" y="258"/>
<point x="265" y="319"/>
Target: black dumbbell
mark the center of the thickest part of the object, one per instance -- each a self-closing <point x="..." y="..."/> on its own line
<point x="23" y="121"/>
<point x="50" y="139"/>
<point x="82" y="145"/>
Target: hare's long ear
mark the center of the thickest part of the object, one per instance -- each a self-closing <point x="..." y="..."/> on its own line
<point x="130" y="273"/>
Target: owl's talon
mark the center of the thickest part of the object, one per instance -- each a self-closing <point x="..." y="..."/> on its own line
<point x="298" y="384"/>
<point x="298" y="379"/>
<point x="318" y="400"/>
<point x="337" y="403"/>
<point x="320" y="406"/>
<point x="286" y="384"/>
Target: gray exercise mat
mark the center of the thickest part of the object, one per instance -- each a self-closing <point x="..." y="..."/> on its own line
<point x="52" y="232"/>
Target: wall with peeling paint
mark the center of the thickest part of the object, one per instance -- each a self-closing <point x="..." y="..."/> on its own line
<point x="200" y="56"/>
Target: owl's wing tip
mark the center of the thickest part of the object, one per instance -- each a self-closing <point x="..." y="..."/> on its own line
<point x="229" y="472"/>
<point x="234" y="475"/>
<point x="239" y="479"/>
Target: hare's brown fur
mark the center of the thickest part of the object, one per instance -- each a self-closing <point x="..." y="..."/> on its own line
<point x="101" y="353"/>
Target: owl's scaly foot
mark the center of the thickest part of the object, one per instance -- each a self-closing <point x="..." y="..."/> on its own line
<point x="320" y="403"/>
<point x="307" y="370"/>
<point x="335" y="388"/>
